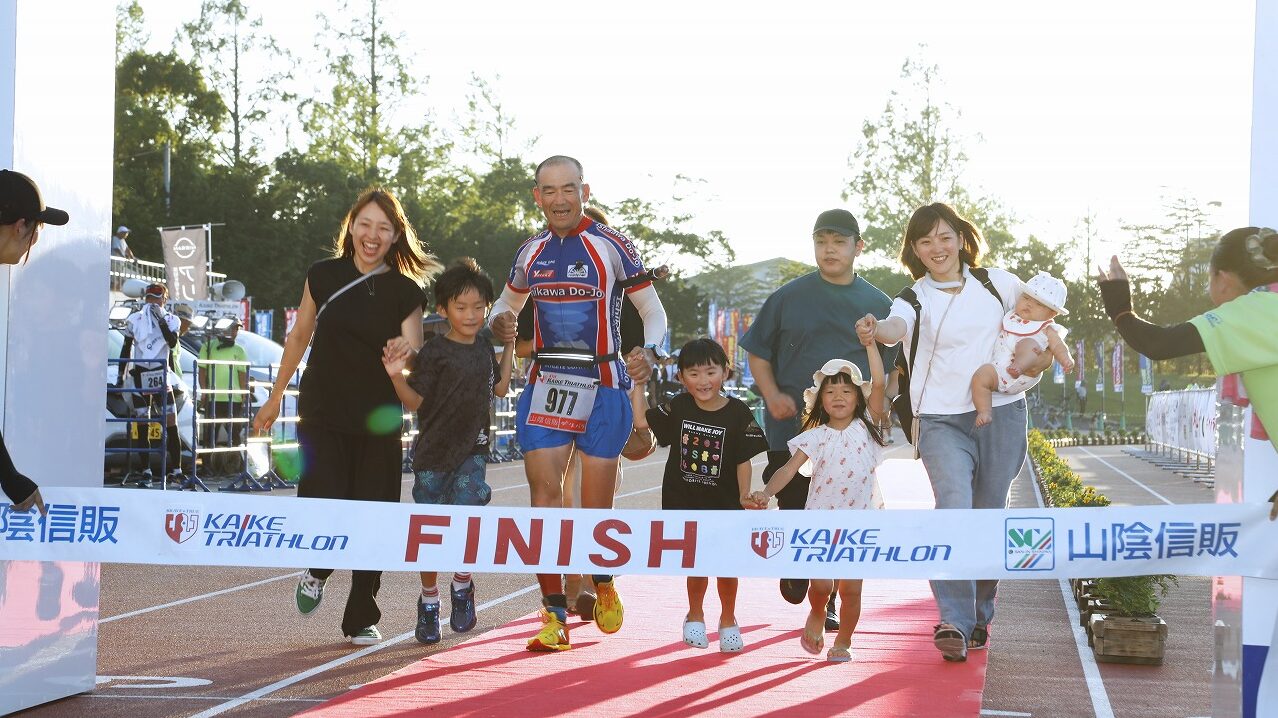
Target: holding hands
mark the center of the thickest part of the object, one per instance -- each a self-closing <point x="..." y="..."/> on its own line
<point x="756" y="500"/>
<point x="396" y="356"/>
<point x="505" y="327"/>
<point x="866" y="327"/>
<point x="638" y="365"/>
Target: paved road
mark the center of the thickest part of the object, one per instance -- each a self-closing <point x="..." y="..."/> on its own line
<point x="1036" y="666"/>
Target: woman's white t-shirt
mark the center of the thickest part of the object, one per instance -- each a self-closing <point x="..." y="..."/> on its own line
<point x="966" y="339"/>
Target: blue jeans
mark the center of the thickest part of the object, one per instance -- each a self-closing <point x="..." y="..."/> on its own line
<point x="971" y="469"/>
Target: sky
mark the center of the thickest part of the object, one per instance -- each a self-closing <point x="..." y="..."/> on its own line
<point x="1108" y="108"/>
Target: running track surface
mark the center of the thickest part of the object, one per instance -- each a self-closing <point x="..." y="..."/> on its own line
<point x="646" y="669"/>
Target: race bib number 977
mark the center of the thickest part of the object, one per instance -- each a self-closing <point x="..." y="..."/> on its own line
<point x="562" y="401"/>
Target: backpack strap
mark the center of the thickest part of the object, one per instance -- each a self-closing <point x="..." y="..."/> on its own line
<point x="907" y="294"/>
<point x="983" y="275"/>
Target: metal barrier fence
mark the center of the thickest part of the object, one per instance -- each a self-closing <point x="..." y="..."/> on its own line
<point x="1180" y="427"/>
<point x="123" y="269"/>
<point x="154" y="385"/>
<point x="220" y="433"/>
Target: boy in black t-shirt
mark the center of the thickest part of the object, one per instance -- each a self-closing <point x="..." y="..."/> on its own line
<point x="712" y="438"/>
<point x="459" y="375"/>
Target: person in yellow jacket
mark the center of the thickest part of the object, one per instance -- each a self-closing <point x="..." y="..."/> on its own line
<point x="220" y="384"/>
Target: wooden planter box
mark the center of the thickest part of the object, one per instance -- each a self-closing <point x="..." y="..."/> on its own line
<point x="1117" y="639"/>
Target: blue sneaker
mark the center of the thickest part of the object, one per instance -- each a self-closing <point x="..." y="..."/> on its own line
<point x="462" y="618"/>
<point x="427" y="621"/>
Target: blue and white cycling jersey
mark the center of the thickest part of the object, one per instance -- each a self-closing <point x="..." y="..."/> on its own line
<point x="573" y="284"/>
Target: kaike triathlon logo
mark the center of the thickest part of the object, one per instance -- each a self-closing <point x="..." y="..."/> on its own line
<point x="181" y="524"/>
<point x="767" y="542"/>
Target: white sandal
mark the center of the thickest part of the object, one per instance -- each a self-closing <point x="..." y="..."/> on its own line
<point x="730" y="639"/>
<point x="694" y="634"/>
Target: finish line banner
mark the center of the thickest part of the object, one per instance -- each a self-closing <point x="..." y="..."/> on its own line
<point x="194" y="529"/>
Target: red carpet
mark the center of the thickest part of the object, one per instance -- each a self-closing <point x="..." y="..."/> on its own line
<point x="647" y="670"/>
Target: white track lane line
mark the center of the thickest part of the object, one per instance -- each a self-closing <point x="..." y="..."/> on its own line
<point x="200" y="597"/>
<point x="1091" y="672"/>
<point x="310" y="672"/>
<point x="1129" y="477"/>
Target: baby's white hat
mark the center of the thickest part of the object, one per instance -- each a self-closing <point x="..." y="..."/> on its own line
<point x="1048" y="290"/>
<point x="832" y="367"/>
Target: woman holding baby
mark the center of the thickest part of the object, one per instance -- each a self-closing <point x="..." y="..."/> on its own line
<point x="973" y="325"/>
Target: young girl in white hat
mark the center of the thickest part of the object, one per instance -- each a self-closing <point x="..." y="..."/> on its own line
<point x="1026" y="332"/>
<point x="843" y="439"/>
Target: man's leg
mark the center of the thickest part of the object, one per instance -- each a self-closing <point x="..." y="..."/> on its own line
<point x="600" y="447"/>
<point x="545" y="469"/>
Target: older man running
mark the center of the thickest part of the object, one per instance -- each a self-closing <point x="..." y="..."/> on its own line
<point x="575" y="272"/>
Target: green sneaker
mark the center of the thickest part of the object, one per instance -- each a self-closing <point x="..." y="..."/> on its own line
<point x="367" y="637"/>
<point x="309" y="593"/>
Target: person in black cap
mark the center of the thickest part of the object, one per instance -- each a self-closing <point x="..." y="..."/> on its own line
<point x="22" y="215"/>
<point x="801" y="326"/>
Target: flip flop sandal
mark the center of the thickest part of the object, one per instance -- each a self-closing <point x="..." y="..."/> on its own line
<point x="730" y="639"/>
<point x="950" y="642"/>
<point x="813" y="647"/>
<point x="839" y="654"/>
<point x="694" y="634"/>
<point x="980" y="638"/>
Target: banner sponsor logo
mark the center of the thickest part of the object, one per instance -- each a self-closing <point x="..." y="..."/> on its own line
<point x="185" y="265"/>
<point x="181" y="525"/>
<point x="66" y="523"/>
<point x="858" y="545"/>
<point x="266" y="531"/>
<point x="767" y="542"/>
<point x="1141" y="541"/>
<point x="1030" y="544"/>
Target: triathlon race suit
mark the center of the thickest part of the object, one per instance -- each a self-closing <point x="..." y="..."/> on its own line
<point x="574" y="284"/>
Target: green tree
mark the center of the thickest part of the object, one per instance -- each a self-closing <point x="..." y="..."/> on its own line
<point x="228" y="44"/>
<point x="909" y="157"/>
<point x="162" y="105"/>
<point x="352" y="126"/>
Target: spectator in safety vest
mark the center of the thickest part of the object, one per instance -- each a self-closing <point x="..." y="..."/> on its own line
<point x="220" y="384"/>
<point x="22" y="215"/>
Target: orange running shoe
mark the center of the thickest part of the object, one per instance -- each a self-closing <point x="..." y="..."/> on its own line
<point x="609" y="613"/>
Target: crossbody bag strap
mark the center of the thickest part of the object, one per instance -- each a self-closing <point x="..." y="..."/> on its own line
<point x="382" y="269"/>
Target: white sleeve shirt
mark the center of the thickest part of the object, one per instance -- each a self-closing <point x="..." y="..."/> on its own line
<point x="944" y="364"/>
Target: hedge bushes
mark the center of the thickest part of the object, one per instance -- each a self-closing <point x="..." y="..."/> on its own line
<point x="1060" y="485"/>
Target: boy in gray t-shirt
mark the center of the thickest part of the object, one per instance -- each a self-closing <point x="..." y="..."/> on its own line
<point x="453" y="380"/>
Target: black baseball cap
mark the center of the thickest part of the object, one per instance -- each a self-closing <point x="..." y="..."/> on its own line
<point x="837" y="220"/>
<point x="20" y="199"/>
